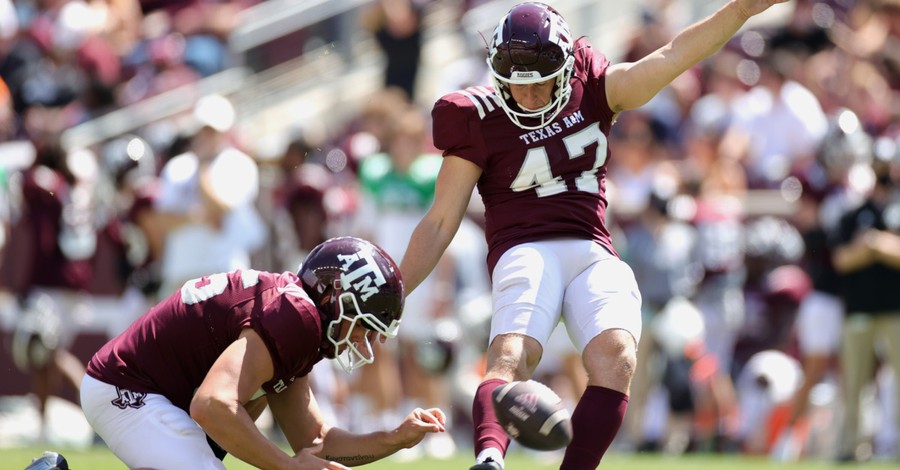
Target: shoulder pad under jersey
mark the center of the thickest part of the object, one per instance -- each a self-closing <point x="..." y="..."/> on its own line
<point x="474" y="101"/>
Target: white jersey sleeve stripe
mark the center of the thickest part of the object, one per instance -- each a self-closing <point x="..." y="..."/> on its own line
<point x="489" y="96"/>
<point x="485" y="94"/>
<point x="484" y="99"/>
<point x="474" y="101"/>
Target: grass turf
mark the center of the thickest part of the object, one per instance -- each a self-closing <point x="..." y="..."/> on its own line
<point x="100" y="458"/>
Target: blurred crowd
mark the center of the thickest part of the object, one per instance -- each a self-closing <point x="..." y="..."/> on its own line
<point x="757" y="199"/>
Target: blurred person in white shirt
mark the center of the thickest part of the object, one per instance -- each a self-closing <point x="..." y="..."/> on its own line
<point x="207" y="201"/>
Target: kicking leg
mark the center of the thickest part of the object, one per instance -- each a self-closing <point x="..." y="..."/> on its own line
<point x="510" y="357"/>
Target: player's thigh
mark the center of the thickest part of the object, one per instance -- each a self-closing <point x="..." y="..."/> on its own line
<point x="527" y="292"/>
<point x="603" y="296"/>
<point x="145" y="430"/>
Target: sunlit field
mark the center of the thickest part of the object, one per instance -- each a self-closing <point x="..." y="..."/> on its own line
<point x="99" y="458"/>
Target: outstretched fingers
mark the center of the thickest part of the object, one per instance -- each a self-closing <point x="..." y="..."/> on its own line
<point x="433" y="416"/>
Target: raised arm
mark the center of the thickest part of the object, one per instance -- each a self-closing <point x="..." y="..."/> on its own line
<point x="437" y="228"/>
<point x="632" y="84"/>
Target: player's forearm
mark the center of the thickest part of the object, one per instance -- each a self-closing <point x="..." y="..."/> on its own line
<point x="635" y="84"/>
<point x="234" y="430"/>
<point x="707" y="36"/>
<point x="357" y="449"/>
<point x="426" y="246"/>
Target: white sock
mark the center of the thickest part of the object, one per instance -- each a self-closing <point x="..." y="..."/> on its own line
<point x="492" y="452"/>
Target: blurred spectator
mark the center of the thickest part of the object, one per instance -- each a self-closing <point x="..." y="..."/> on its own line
<point x="765" y="387"/>
<point x="119" y="23"/>
<point x="51" y="257"/>
<point x="397" y="25"/>
<point x="806" y="31"/>
<point x="699" y="394"/>
<point x="367" y="131"/>
<point x="719" y="221"/>
<point x="61" y="56"/>
<point x="867" y="256"/>
<point x="9" y="21"/>
<point x="9" y="121"/>
<point x="468" y="70"/>
<point x="825" y="194"/>
<point x="206" y="201"/>
<point x="773" y="288"/>
<point x="638" y="140"/>
<point x="776" y="123"/>
<point x="203" y="26"/>
<point x="714" y="173"/>
<point x="661" y="247"/>
<point x="718" y="218"/>
<point x="652" y="32"/>
<point x="157" y="63"/>
<point x="301" y="216"/>
<point x="129" y="242"/>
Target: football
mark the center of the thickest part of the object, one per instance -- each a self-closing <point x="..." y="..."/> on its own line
<point x="533" y="415"/>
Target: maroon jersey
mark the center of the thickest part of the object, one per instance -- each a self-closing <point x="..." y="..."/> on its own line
<point x="170" y="349"/>
<point x="540" y="184"/>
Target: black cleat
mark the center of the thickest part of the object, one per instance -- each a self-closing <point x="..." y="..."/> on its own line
<point x="49" y="461"/>
<point x="488" y="464"/>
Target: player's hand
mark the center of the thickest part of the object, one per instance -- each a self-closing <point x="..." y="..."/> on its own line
<point x="755" y="7"/>
<point x="417" y="424"/>
<point x="307" y="459"/>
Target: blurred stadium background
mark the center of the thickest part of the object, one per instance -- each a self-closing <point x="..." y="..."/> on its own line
<point x="797" y="109"/>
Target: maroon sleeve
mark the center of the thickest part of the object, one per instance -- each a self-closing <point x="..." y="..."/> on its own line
<point x="456" y="129"/>
<point x="591" y="66"/>
<point x="292" y="331"/>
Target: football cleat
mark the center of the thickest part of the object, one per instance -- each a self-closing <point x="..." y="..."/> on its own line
<point x="488" y="464"/>
<point x="49" y="461"/>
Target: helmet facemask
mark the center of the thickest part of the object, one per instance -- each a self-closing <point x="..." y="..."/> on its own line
<point x="355" y="355"/>
<point x="532" y="44"/>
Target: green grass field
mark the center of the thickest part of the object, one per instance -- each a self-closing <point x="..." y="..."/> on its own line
<point x="99" y="458"/>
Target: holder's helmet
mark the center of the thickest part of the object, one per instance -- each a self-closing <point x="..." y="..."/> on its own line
<point x="352" y="279"/>
<point x="532" y="44"/>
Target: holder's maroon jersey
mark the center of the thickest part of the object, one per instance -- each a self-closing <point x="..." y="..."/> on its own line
<point x="540" y="184"/>
<point x="170" y="349"/>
